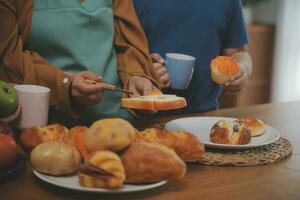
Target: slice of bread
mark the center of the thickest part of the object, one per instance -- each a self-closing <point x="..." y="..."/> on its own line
<point x="154" y="102"/>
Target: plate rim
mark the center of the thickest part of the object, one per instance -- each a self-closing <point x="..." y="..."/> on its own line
<point x="228" y="146"/>
<point x="43" y="177"/>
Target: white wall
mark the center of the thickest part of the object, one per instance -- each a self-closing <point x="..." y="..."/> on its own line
<point x="266" y="12"/>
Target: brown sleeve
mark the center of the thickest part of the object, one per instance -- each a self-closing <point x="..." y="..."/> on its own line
<point x="21" y="66"/>
<point x="131" y="44"/>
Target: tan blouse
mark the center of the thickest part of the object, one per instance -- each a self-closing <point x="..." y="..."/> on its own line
<point x="21" y="66"/>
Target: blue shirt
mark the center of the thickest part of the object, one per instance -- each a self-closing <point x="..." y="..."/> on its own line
<point x="200" y="28"/>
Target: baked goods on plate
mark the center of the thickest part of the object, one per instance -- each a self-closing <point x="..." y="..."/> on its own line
<point x="223" y="68"/>
<point x="103" y="169"/>
<point x="34" y="136"/>
<point x="55" y="158"/>
<point x="186" y="145"/>
<point x="109" y="134"/>
<point x="154" y="102"/>
<point x="256" y="126"/>
<point x="151" y="162"/>
<point x="230" y="132"/>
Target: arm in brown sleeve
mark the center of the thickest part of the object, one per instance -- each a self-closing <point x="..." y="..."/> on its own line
<point x="131" y="44"/>
<point x="21" y="66"/>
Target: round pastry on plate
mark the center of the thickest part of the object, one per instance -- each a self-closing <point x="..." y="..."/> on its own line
<point x="55" y="158"/>
<point x="256" y="126"/>
<point x="232" y="133"/>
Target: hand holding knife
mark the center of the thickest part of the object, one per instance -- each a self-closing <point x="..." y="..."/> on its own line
<point x="109" y="86"/>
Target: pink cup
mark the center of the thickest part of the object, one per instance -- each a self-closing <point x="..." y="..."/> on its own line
<point x="34" y="102"/>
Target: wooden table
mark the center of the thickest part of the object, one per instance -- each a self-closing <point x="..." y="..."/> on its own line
<point x="274" y="181"/>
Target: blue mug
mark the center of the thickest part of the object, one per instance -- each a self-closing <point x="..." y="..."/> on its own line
<point x="180" y="68"/>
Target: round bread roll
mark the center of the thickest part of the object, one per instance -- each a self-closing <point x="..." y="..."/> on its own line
<point x="256" y="126"/>
<point x="223" y="68"/>
<point x="233" y="133"/>
<point x="109" y="134"/>
<point x="55" y="158"/>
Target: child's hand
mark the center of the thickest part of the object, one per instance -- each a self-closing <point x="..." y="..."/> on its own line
<point x="238" y="82"/>
<point x="140" y="86"/>
<point x="161" y="69"/>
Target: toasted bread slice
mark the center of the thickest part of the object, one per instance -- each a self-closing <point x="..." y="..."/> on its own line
<point x="154" y="102"/>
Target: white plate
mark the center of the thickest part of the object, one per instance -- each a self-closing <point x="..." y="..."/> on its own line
<point x="72" y="182"/>
<point x="200" y="126"/>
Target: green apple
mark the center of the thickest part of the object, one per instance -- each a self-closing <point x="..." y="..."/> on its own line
<point x="8" y="99"/>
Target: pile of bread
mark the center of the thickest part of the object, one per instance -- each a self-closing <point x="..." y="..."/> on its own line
<point x="236" y="132"/>
<point x="113" y="153"/>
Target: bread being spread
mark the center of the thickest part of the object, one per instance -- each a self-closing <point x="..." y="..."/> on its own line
<point x="154" y="102"/>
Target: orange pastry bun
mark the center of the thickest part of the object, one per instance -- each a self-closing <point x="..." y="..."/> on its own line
<point x="223" y="68"/>
<point x="256" y="126"/>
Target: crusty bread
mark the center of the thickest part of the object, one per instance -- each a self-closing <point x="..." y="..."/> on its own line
<point x="233" y="133"/>
<point x="187" y="146"/>
<point x="154" y="102"/>
<point x="112" y="134"/>
<point x="223" y="68"/>
<point x="256" y="126"/>
<point x="55" y="158"/>
<point x="102" y="169"/>
<point x="151" y="162"/>
<point x="32" y="137"/>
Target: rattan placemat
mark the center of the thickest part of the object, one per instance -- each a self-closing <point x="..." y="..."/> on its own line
<point x="271" y="153"/>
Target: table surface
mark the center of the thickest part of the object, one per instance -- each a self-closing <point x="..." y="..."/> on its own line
<point x="275" y="181"/>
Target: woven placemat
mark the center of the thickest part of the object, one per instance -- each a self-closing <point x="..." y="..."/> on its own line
<point x="271" y="153"/>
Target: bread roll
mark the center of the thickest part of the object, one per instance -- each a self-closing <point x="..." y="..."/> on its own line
<point x="154" y="102"/>
<point x="102" y="169"/>
<point x="109" y="134"/>
<point x="32" y="137"/>
<point x="151" y="162"/>
<point x="55" y="158"/>
<point x="187" y="146"/>
<point x="233" y="133"/>
<point x="223" y="68"/>
<point x="256" y="126"/>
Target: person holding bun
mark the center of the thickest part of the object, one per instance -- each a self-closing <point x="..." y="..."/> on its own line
<point x="202" y="29"/>
<point x="81" y="49"/>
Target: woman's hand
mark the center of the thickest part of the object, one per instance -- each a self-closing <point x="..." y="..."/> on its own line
<point x="87" y="88"/>
<point x="161" y="69"/>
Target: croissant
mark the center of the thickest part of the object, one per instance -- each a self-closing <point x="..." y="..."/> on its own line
<point x="151" y="162"/>
<point x="34" y="136"/>
<point x="187" y="146"/>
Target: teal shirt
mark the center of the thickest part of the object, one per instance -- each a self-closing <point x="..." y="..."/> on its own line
<point x="77" y="37"/>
